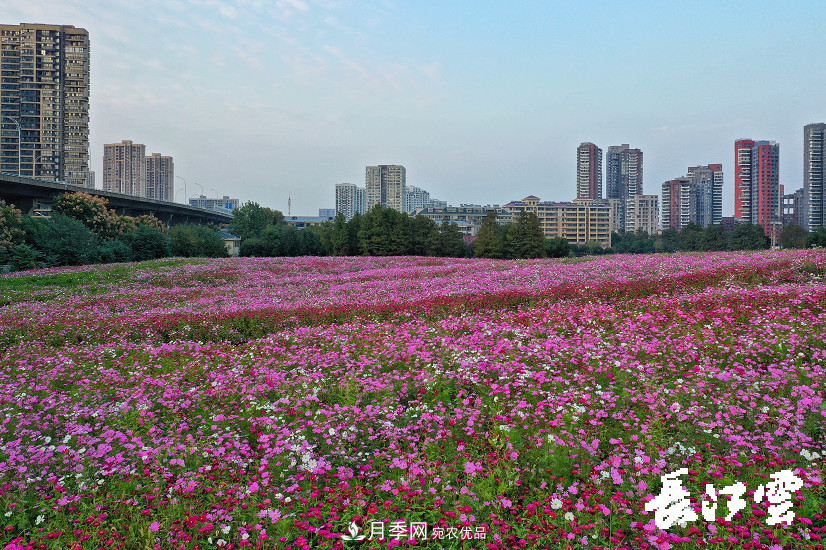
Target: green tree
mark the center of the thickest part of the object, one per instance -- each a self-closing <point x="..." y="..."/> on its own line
<point x="92" y="212"/>
<point x="425" y="237"/>
<point x="339" y="237"/>
<point x="114" y="251"/>
<point x="747" y="236"/>
<point x="690" y="237"/>
<point x="525" y="238"/>
<point x="251" y="219"/>
<point x="816" y="238"/>
<point x="374" y="234"/>
<point x="354" y="245"/>
<point x="489" y="241"/>
<point x="638" y="242"/>
<point x="557" y="247"/>
<point x="11" y="230"/>
<point x="793" y="236"/>
<point x="192" y="241"/>
<point x="62" y="240"/>
<point x="714" y="237"/>
<point x="451" y="240"/>
<point x="147" y="243"/>
<point x="309" y="242"/>
<point x="667" y="241"/>
<point x="23" y="256"/>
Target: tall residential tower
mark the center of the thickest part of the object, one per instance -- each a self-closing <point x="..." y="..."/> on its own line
<point x="814" y="176"/>
<point x="588" y="171"/>
<point x="623" y="177"/>
<point x="44" y="102"/>
<point x="124" y="168"/>
<point x="757" y="183"/>
<point x="385" y="185"/>
<point x="160" y="177"/>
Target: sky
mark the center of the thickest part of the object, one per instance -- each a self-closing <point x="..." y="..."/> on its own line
<point x="482" y="102"/>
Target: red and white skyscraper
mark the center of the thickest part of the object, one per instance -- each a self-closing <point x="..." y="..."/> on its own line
<point x="757" y="183"/>
<point x="588" y="171"/>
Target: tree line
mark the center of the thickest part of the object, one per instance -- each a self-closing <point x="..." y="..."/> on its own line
<point x="385" y="232"/>
<point x="83" y="230"/>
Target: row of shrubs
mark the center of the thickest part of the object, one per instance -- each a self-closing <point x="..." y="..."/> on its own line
<point x="82" y="230"/>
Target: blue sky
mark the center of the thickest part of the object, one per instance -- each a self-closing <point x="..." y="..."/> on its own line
<point x="482" y="102"/>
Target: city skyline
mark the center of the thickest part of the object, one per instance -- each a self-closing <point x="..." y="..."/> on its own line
<point x="269" y="102"/>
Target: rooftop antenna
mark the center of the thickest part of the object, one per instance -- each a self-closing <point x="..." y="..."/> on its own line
<point x="289" y="205"/>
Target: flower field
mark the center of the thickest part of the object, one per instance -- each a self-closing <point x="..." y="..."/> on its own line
<point x="285" y="403"/>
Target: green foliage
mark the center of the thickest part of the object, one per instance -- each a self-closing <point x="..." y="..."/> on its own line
<point x="793" y="236"/>
<point x="818" y="238"/>
<point x="426" y="237"/>
<point x="557" y="247"/>
<point x="339" y="239"/>
<point x="638" y="242"/>
<point x="114" y="251"/>
<point x="147" y="243"/>
<point x="196" y="241"/>
<point x="525" y="238"/>
<point x="93" y="213"/>
<point x="490" y="241"/>
<point x="748" y="237"/>
<point x="714" y="237"/>
<point x="11" y="231"/>
<point x="23" y="256"/>
<point x="690" y="236"/>
<point x="250" y="220"/>
<point x="353" y="229"/>
<point x="62" y="240"/>
<point x="446" y="241"/>
<point x="667" y="241"/>
<point x="151" y="221"/>
<point x="283" y="240"/>
<point x="385" y="232"/>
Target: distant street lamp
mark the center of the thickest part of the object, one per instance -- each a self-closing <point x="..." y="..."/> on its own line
<point x="202" y="188"/>
<point x="18" y="140"/>
<point x="185" y="195"/>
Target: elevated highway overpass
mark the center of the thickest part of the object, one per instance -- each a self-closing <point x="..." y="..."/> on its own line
<point x="32" y="196"/>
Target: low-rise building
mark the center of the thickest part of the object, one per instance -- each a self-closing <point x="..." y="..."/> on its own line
<point x="307" y="221"/>
<point x="467" y="216"/>
<point x="579" y="222"/>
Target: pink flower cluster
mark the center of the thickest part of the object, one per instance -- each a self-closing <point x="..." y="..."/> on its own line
<point x="271" y="402"/>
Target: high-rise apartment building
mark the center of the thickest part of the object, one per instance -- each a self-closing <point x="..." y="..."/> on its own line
<point x="588" y="171"/>
<point x="623" y="176"/>
<point x="814" y="175"/>
<point x="124" y="168"/>
<point x="350" y="199"/>
<point x="742" y="179"/>
<point x="642" y="212"/>
<point x="679" y="203"/>
<point x="385" y="185"/>
<point x="708" y="181"/>
<point x="415" y="197"/>
<point x="757" y="183"/>
<point x="160" y="177"/>
<point x="44" y="102"/>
